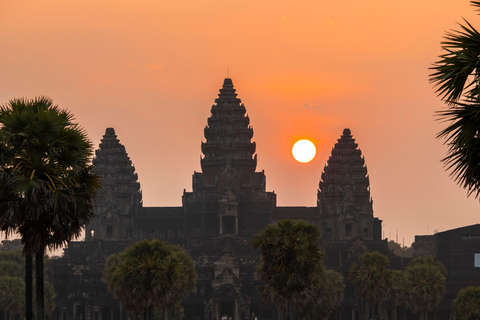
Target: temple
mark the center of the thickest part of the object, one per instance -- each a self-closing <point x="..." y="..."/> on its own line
<point x="227" y="206"/>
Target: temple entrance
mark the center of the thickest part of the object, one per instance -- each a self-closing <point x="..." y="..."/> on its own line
<point x="227" y="308"/>
<point x="229" y="225"/>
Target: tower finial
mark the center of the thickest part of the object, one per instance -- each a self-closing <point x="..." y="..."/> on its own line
<point x="228" y="72"/>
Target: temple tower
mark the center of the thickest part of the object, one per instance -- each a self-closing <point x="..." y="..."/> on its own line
<point x="228" y="195"/>
<point x="119" y="200"/>
<point x="343" y="200"/>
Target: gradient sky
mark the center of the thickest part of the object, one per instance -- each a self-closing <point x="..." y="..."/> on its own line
<point x="304" y="69"/>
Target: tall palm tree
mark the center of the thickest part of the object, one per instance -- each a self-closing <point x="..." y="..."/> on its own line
<point x="291" y="263"/>
<point x="425" y="285"/>
<point x="328" y="295"/>
<point x="466" y="305"/>
<point x="456" y="76"/>
<point x="371" y="278"/>
<point x="150" y="274"/>
<point x="396" y="292"/>
<point x="47" y="184"/>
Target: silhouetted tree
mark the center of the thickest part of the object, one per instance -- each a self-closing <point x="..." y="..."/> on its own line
<point x="371" y="279"/>
<point x="291" y="263"/>
<point x="328" y="296"/>
<point x="424" y="285"/>
<point x="466" y="305"/>
<point x="46" y="184"/>
<point x="456" y="76"/>
<point x="150" y="274"/>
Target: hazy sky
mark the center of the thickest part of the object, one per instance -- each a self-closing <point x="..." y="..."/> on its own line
<point x="304" y="69"/>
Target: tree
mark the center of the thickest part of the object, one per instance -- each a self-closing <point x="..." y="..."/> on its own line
<point x="425" y="285"/>
<point x="12" y="285"/>
<point x="291" y="263"/>
<point x="47" y="186"/>
<point x="396" y="291"/>
<point x="12" y="295"/>
<point x="150" y="274"/>
<point x="328" y="295"/>
<point x="456" y="76"/>
<point x="371" y="279"/>
<point x="466" y="305"/>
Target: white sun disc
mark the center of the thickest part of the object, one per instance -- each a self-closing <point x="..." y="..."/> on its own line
<point x="304" y="151"/>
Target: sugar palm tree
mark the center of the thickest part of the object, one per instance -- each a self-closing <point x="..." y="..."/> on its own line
<point x="328" y="295"/>
<point x="150" y="274"/>
<point x="466" y="305"/>
<point x="396" y="292"/>
<point x="371" y="278"/>
<point x="456" y="76"/>
<point x="425" y="285"/>
<point x="291" y="263"/>
<point x="47" y="185"/>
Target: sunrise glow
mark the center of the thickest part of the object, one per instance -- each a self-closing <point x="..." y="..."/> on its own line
<point x="304" y="151"/>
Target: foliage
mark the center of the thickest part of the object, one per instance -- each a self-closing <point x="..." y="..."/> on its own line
<point x="328" y="295"/>
<point x="398" y="250"/>
<point x="12" y="294"/>
<point x="46" y="183"/>
<point x="12" y="284"/>
<point x="371" y="277"/>
<point x="291" y="263"/>
<point x="425" y="285"/>
<point x="456" y="76"/>
<point x="466" y="306"/>
<point x="150" y="274"/>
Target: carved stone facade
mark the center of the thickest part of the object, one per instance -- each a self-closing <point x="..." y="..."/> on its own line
<point x="228" y="205"/>
<point x="344" y="201"/>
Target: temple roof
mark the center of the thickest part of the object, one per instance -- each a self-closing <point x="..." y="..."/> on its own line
<point x="228" y="135"/>
<point x="114" y="166"/>
<point x="345" y="167"/>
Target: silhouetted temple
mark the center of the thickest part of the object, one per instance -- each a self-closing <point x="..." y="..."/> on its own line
<point x="228" y="205"/>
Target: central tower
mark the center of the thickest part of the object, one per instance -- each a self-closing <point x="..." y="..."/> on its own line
<point x="228" y="140"/>
<point x="228" y="196"/>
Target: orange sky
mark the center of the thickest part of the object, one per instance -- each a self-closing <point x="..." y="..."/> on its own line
<point x="304" y="69"/>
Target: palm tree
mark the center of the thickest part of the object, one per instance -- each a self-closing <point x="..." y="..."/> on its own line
<point x="466" y="305"/>
<point x="456" y="76"/>
<point x="291" y="263"/>
<point x="371" y="278"/>
<point x="150" y="274"/>
<point x="425" y="285"/>
<point x="328" y="295"/>
<point x="47" y="184"/>
<point x="396" y="292"/>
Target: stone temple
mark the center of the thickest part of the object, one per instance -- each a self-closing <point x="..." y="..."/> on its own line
<point x="227" y="206"/>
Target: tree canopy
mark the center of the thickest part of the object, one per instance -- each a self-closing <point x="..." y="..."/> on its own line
<point x="46" y="183"/>
<point x="150" y="274"/>
<point x="291" y="265"/>
<point x="456" y="76"/>
<point x="466" y="305"/>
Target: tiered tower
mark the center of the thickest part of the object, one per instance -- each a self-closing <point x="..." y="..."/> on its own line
<point x="344" y="202"/>
<point x="228" y="140"/>
<point x="228" y="195"/>
<point x="119" y="200"/>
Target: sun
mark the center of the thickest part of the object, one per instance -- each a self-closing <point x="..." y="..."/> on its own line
<point x="304" y="151"/>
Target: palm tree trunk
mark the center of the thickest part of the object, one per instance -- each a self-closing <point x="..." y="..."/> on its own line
<point x="39" y="283"/>
<point x="28" y="286"/>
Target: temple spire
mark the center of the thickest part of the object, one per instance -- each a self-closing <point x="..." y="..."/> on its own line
<point x="228" y="137"/>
